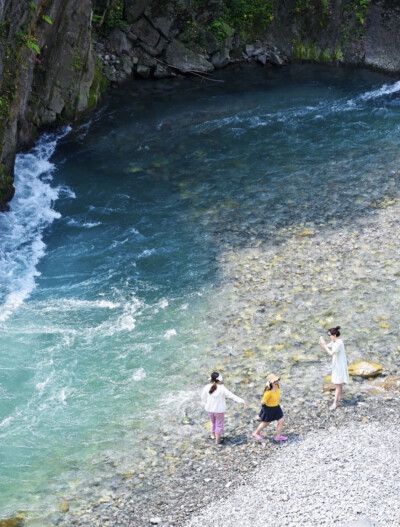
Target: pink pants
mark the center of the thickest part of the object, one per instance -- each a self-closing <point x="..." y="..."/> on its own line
<point x="217" y="422"/>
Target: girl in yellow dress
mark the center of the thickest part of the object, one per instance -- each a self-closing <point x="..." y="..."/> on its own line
<point x="270" y="409"/>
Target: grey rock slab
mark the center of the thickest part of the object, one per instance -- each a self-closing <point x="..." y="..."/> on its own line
<point x="146" y="32"/>
<point x="186" y="60"/>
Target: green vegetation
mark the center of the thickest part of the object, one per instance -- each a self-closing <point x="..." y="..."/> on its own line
<point x="30" y="41"/>
<point x="107" y="14"/>
<point x="304" y="51"/>
<point x="7" y="92"/>
<point x="47" y="19"/>
<point x="361" y="8"/>
<point x="249" y="17"/>
<point x="312" y="12"/>
<point x="77" y="63"/>
<point x="99" y="84"/>
<point x="358" y="10"/>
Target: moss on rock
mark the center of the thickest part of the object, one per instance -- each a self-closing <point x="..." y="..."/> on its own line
<point x="98" y="85"/>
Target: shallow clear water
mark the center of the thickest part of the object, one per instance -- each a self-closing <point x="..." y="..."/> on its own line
<point x="108" y="259"/>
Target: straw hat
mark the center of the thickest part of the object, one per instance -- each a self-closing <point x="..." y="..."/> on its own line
<point x="272" y="378"/>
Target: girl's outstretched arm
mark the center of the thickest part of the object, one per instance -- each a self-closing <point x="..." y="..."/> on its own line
<point x="234" y="397"/>
<point x="324" y="346"/>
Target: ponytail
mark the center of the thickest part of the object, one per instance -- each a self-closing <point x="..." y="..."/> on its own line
<point x="215" y="378"/>
<point x="213" y="387"/>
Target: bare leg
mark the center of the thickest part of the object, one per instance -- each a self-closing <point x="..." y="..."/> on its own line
<point x="338" y="395"/>
<point x="279" y="427"/>
<point x="261" y="426"/>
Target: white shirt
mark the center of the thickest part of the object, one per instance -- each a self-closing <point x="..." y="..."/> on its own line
<point x="215" y="402"/>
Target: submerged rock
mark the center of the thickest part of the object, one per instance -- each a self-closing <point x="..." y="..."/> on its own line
<point x="391" y="383"/>
<point x="365" y="369"/>
<point x="15" y="521"/>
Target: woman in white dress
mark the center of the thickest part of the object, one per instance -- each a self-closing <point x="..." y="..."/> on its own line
<point x="340" y="372"/>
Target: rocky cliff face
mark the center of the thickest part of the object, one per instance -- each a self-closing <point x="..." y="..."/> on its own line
<point x="47" y="69"/>
<point x="50" y="72"/>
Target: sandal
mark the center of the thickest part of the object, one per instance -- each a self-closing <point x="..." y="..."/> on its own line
<point x="282" y="438"/>
<point x="257" y="436"/>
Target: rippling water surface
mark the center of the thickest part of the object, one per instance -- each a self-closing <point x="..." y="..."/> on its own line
<point x="108" y="258"/>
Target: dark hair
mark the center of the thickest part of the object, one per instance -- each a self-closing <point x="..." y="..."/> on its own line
<point x="214" y="378"/>
<point x="268" y="386"/>
<point x="335" y="331"/>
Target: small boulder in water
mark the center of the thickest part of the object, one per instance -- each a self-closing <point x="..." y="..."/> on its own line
<point x="365" y="369"/>
<point x="15" y="521"/>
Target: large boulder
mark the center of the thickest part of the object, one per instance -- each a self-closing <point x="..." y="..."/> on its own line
<point x="146" y="32"/>
<point x="220" y="59"/>
<point x="365" y="369"/>
<point x="136" y="10"/>
<point x="118" y="42"/>
<point x="186" y="60"/>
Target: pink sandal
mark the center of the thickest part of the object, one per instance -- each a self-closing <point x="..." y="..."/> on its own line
<point x="257" y="436"/>
<point x="282" y="438"/>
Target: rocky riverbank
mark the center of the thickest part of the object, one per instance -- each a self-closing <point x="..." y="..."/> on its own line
<point x="276" y="300"/>
<point x="186" y="483"/>
<point x="56" y="57"/>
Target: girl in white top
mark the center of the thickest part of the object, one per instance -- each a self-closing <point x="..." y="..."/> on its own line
<point x="213" y="396"/>
<point x="340" y="372"/>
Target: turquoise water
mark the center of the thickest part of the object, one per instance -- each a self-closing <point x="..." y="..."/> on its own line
<point x="109" y="257"/>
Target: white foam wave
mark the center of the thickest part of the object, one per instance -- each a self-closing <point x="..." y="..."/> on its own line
<point x="179" y="400"/>
<point x="169" y="333"/>
<point x="85" y="225"/>
<point x="146" y="253"/>
<point x="386" y="89"/>
<point x="67" y="192"/>
<point x="90" y="225"/>
<point x="163" y="303"/>
<point x="63" y="396"/>
<point x="126" y="321"/>
<point x="21" y="244"/>
<point x="137" y="233"/>
<point x="139" y="374"/>
<point x="72" y="304"/>
<point x="40" y="386"/>
<point x="5" y="422"/>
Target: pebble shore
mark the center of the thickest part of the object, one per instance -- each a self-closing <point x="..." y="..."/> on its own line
<point x="342" y="473"/>
<point x="336" y="466"/>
